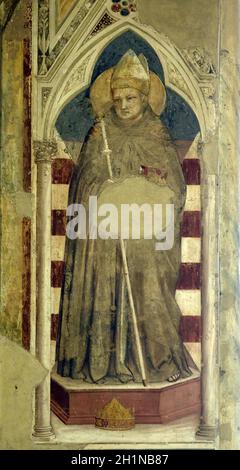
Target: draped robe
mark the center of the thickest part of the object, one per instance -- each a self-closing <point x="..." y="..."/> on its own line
<point x="95" y="335"/>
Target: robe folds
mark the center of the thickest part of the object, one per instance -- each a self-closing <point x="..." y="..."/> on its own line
<point x="95" y="335"/>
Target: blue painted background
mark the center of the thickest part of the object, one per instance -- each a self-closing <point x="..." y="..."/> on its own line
<point x="77" y="118"/>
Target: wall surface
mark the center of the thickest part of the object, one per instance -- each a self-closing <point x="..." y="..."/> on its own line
<point x="189" y="23"/>
<point x="11" y="177"/>
<point x="229" y="172"/>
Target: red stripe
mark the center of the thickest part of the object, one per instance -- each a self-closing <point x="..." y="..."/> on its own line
<point x="191" y="170"/>
<point x="62" y="169"/>
<point x="26" y="116"/>
<point x="191" y="224"/>
<point x="182" y="147"/>
<point x="59" y="220"/>
<point x="190" y="276"/>
<point x="57" y="272"/>
<point x="54" y="326"/>
<point x="190" y="329"/>
<point x="26" y="282"/>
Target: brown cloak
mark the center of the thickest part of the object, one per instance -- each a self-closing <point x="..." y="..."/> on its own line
<point x="95" y="342"/>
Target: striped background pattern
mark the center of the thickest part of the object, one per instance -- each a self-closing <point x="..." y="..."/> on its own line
<point x="188" y="293"/>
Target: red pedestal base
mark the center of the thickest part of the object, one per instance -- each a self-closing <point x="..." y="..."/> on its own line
<point x="74" y="403"/>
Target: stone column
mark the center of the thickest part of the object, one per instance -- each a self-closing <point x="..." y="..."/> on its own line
<point x="229" y="230"/>
<point x="209" y="372"/>
<point x="44" y="152"/>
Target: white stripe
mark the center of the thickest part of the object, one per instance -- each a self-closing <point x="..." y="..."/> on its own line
<point x="59" y="196"/>
<point x="194" y="350"/>
<point x="55" y="299"/>
<point x="193" y="200"/>
<point x="189" y="301"/>
<point x="58" y="245"/>
<point x="193" y="149"/>
<point x="53" y="352"/>
<point x="191" y="250"/>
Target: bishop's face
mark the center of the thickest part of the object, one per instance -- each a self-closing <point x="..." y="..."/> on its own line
<point x="128" y="103"/>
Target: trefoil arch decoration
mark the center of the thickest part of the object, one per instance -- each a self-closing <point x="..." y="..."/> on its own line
<point x="188" y="73"/>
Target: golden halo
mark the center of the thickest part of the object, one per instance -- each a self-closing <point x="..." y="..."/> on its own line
<point x="101" y="96"/>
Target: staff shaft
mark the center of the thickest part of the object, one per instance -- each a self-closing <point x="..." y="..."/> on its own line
<point x="108" y="152"/>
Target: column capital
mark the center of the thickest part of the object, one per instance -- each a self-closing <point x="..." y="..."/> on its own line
<point x="44" y="150"/>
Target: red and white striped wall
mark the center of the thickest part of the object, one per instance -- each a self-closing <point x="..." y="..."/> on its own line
<point x="188" y="294"/>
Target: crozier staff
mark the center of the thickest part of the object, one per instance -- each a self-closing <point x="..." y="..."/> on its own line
<point x="107" y="152"/>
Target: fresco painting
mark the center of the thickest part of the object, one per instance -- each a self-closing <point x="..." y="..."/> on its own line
<point x="113" y="110"/>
